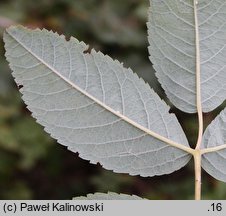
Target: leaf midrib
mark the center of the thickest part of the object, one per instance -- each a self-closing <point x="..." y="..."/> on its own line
<point x="198" y="78"/>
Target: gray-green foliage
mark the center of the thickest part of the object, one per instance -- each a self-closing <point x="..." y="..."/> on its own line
<point x="95" y="92"/>
<point x="214" y="136"/>
<point x="173" y="50"/>
<point x="106" y="113"/>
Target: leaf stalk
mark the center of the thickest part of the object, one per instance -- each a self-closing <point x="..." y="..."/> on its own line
<point x="197" y="153"/>
<point x="197" y="162"/>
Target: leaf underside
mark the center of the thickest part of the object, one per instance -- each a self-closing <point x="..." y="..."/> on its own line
<point x="214" y="162"/>
<point x="171" y="29"/>
<point x="93" y="104"/>
<point x="108" y="196"/>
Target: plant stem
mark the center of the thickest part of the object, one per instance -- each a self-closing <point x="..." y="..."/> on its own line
<point x="197" y="161"/>
<point x="197" y="153"/>
<point x="213" y="149"/>
<point x="198" y="79"/>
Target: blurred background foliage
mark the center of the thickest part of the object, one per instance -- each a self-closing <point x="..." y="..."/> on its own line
<point x="32" y="165"/>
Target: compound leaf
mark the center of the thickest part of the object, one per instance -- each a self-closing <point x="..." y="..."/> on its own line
<point x="215" y="137"/>
<point x="175" y="49"/>
<point x="108" y="196"/>
<point x="94" y="105"/>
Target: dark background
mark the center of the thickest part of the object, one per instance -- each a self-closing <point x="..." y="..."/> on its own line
<point x="34" y="166"/>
